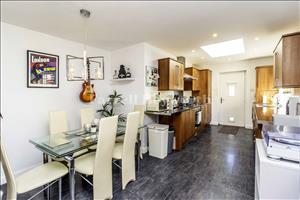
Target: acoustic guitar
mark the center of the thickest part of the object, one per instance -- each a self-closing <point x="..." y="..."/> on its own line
<point x="87" y="94"/>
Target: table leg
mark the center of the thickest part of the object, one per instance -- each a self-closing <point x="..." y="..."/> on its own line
<point x="72" y="178"/>
<point x="47" y="191"/>
<point x="45" y="158"/>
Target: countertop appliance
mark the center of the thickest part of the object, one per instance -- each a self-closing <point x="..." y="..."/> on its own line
<point x="157" y="105"/>
<point x="282" y="142"/>
<point x="198" y="116"/>
<point x="293" y="107"/>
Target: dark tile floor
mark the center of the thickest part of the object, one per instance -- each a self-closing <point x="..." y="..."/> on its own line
<point x="211" y="166"/>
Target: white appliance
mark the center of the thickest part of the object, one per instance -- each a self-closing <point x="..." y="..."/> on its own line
<point x="282" y="142"/>
<point x="294" y="106"/>
<point x="198" y="116"/>
<point x="275" y="179"/>
<point x="286" y="120"/>
<point x="158" y="140"/>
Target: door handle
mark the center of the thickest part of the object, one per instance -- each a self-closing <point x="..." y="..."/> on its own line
<point x="222" y="100"/>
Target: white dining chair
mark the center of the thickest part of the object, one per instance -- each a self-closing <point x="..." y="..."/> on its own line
<point x="87" y="115"/>
<point x="141" y="109"/>
<point x="58" y="123"/>
<point x="99" y="163"/>
<point x="46" y="174"/>
<point x="125" y="151"/>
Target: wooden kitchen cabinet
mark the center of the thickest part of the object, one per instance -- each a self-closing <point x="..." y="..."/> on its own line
<point x="205" y="79"/>
<point x="170" y="74"/>
<point x="206" y="115"/>
<point x="192" y="85"/>
<point x="287" y="61"/>
<point x="184" y="126"/>
<point x="189" y="124"/>
<point x="264" y="84"/>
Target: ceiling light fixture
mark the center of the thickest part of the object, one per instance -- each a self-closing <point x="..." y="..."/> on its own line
<point x="215" y="35"/>
<point x="193" y="51"/>
<point x="85" y="14"/>
<point x="226" y="48"/>
<point x="256" y="38"/>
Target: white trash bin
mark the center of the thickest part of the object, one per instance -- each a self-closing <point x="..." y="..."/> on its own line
<point x="158" y="140"/>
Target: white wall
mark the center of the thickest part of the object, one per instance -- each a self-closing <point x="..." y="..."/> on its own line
<point x="137" y="57"/>
<point x="133" y="91"/>
<point x="25" y="110"/>
<point x="250" y="81"/>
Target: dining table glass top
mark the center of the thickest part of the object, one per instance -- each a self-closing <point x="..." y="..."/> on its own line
<point x="66" y="143"/>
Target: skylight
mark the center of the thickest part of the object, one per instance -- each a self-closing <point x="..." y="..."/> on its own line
<point x="227" y="48"/>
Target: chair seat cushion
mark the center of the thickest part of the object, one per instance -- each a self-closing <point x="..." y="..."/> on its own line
<point x="117" y="152"/>
<point x="85" y="164"/>
<point x="40" y="176"/>
<point x="94" y="147"/>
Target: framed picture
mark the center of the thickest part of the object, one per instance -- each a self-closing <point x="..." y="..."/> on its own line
<point x="76" y="71"/>
<point x="151" y="76"/>
<point x="42" y="70"/>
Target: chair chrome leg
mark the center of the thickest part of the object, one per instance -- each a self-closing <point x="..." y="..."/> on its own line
<point x="115" y="163"/>
<point x="71" y="176"/>
<point x="59" y="189"/>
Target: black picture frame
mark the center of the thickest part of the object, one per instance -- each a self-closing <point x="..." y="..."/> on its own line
<point x="46" y="72"/>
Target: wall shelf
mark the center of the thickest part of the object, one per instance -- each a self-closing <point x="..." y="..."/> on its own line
<point x="123" y="79"/>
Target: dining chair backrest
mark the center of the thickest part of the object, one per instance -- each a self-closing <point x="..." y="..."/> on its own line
<point x="102" y="178"/>
<point x="87" y="115"/>
<point x="58" y="121"/>
<point x="141" y="109"/>
<point x="10" y="179"/>
<point x="128" y="152"/>
<point x="132" y="124"/>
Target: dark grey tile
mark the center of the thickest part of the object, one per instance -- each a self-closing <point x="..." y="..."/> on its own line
<point x="211" y="166"/>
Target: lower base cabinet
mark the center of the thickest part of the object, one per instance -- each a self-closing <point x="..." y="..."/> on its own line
<point x="206" y="115"/>
<point x="184" y="125"/>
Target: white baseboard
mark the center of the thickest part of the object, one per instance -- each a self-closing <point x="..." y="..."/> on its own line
<point x="3" y="179"/>
<point x="248" y="126"/>
<point x="144" y="150"/>
<point x="214" y="123"/>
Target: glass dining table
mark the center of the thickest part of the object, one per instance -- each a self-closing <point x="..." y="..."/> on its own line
<point x="64" y="146"/>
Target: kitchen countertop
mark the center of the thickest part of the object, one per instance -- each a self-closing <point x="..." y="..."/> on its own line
<point x="171" y="112"/>
<point x="264" y="113"/>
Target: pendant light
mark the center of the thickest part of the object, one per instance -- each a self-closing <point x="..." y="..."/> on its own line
<point x="85" y="14"/>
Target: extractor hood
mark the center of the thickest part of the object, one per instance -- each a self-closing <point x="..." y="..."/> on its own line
<point x="189" y="77"/>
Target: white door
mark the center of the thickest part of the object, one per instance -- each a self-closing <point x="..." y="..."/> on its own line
<point x="232" y="98"/>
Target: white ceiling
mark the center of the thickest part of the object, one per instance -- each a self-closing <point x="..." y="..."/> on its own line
<point x="177" y="27"/>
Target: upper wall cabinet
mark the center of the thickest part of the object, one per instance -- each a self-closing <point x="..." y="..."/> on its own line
<point x="264" y="84"/>
<point x="287" y="61"/>
<point x="170" y="74"/>
<point x="205" y="81"/>
<point x="193" y="85"/>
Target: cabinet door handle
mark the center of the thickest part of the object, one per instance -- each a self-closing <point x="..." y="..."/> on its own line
<point x="222" y="100"/>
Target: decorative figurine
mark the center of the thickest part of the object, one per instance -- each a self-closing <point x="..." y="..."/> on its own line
<point x="122" y="72"/>
<point x="128" y="73"/>
<point x="115" y="76"/>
